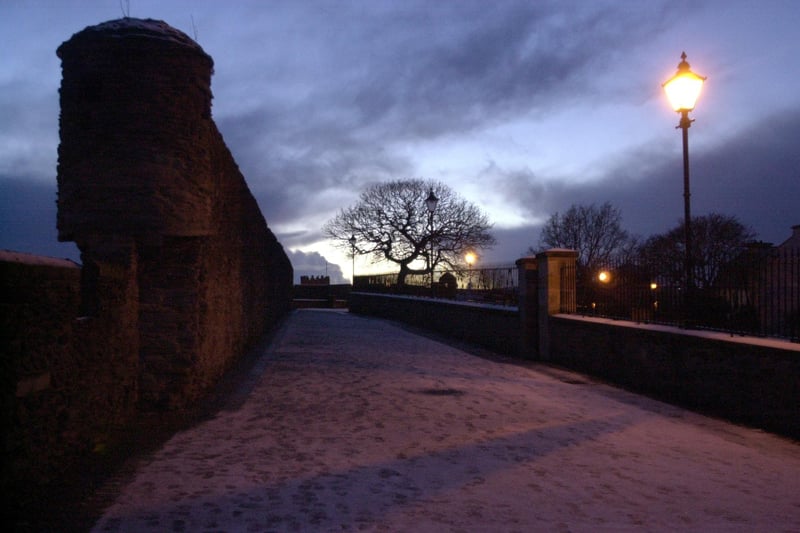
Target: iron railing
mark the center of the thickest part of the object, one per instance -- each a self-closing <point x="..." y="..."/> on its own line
<point x="495" y="285"/>
<point x="758" y="293"/>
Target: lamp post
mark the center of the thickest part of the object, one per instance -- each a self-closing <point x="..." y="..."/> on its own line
<point x="682" y="90"/>
<point x="352" y="241"/>
<point x="654" y="298"/>
<point x="470" y="258"/>
<point x="431" y="203"/>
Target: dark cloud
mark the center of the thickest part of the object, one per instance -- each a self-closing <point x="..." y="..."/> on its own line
<point x="316" y="100"/>
<point x="28" y="219"/>
<point x="28" y="132"/>
<point x="405" y="72"/>
<point x="468" y="64"/>
<point x="284" y="174"/>
<point x="512" y="243"/>
<point x="754" y="175"/>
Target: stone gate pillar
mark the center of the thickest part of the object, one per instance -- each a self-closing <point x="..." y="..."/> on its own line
<point x="555" y="286"/>
<point x="545" y="288"/>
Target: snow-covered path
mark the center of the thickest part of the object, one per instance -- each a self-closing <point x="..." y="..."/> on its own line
<point x="358" y="424"/>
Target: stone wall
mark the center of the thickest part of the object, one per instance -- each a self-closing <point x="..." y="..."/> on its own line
<point x="67" y="381"/>
<point x="146" y="182"/>
<point x="752" y="381"/>
<point x="311" y="295"/>
<point x="755" y="383"/>
<point x="180" y="273"/>
<point x="493" y="327"/>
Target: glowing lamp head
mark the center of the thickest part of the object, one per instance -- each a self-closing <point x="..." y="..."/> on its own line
<point x="684" y="87"/>
<point x="604" y="276"/>
<point x="470" y="258"/>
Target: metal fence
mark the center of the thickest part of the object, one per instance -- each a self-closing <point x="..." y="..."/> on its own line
<point x="758" y="293"/>
<point x="495" y="285"/>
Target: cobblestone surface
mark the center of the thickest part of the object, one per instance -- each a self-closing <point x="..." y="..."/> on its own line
<point x="349" y="423"/>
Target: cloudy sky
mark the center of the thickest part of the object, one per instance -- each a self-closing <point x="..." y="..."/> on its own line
<point x="523" y="107"/>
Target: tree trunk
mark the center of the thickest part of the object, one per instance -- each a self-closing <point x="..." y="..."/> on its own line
<point x="401" y="276"/>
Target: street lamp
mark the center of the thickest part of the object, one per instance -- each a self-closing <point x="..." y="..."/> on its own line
<point x="682" y="90"/>
<point x="431" y="202"/>
<point x="470" y="258"/>
<point x="653" y="289"/>
<point x="352" y="241"/>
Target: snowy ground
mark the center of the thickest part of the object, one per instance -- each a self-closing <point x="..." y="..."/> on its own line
<point x="359" y="424"/>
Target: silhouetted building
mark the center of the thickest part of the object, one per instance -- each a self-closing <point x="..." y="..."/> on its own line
<point x="315" y="280"/>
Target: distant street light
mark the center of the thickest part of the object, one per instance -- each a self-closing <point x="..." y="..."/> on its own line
<point x="352" y="241"/>
<point x="470" y="258"/>
<point x="653" y="288"/>
<point x="682" y="90"/>
<point x="431" y="202"/>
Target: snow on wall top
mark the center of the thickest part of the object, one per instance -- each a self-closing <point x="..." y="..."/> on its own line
<point x="129" y="27"/>
<point x="10" y="256"/>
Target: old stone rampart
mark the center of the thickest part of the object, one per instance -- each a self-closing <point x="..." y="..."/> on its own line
<point x="66" y="382"/>
<point x="147" y="185"/>
<point x="180" y="272"/>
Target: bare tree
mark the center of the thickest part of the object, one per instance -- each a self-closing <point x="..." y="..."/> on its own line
<point x="594" y="232"/>
<point x="391" y="222"/>
<point x="717" y="239"/>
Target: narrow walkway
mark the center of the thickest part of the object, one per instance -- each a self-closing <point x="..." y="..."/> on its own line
<point x="358" y="424"/>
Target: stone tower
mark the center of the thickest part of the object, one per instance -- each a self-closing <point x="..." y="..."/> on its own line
<point x="135" y="105"/>
<point x="178" y="261"/>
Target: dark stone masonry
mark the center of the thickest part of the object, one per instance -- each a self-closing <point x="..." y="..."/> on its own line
<point x="151" y="195"/>
<point x="180" y="272"/>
